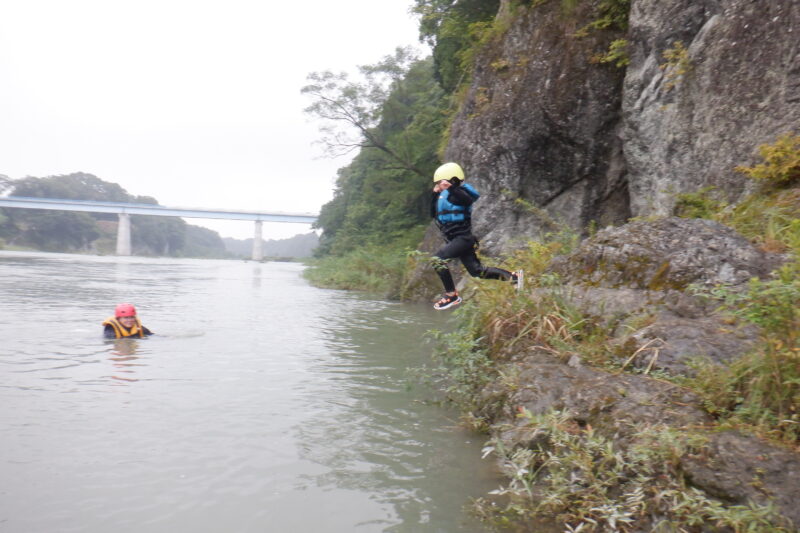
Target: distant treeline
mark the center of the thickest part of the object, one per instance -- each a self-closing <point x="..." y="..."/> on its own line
<point x="77" y="232"/>
<point x="297" y="247"/>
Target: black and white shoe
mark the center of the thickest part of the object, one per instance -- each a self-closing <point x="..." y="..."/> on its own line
<point x="447" y="302"/>
<point x="518" y="279"/>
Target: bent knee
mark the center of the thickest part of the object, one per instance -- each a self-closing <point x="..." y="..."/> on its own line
<point x="476" y="272"/>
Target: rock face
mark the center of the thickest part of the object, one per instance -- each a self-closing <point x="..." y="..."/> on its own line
<point x="550" y="138"/>
<point x="689" y="121"/>
<point x="577" y="141"/>
<point x="644" y="268"/>
<point x="540" y="124"/>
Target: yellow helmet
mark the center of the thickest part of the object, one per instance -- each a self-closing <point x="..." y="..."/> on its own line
<point x="448" y="171"/>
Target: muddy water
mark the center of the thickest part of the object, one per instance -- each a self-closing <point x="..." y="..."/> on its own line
<point x="262" y="404"/>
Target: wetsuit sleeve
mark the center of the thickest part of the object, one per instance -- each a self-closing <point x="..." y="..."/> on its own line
<point x="108" y="333"/>
<point x="434" y="200"/>
<point x="459" y="196"/>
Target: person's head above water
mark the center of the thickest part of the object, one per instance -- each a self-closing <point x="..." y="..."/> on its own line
<point x="124" y="323"/>
<point x="126" y="314"/>
<point x="124" y="310"/>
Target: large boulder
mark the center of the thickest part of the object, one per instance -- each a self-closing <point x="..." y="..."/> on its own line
<point x="741" y="469"/>
<point x="668" y="253"/>
<point x="643" y="269"/>
<point x="613" y="403"/>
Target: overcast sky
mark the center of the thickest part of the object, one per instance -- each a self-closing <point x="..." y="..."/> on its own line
<point x="194" y="102"/>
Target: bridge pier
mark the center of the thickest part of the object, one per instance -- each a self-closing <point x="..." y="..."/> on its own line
<point x="124" y="234"/>
<point x="258" y="244"/>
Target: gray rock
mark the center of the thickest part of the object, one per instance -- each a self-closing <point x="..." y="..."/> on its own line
<point x="672" y="343"/>
<point x="740" y="469"/>
<point x="664" y="254"/>
<point x="682" y="132"/>
<point x="614" y="404"/>
<point x="540" y="124"/>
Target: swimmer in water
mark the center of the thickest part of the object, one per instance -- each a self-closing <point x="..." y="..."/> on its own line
<point x="124" y="323"/>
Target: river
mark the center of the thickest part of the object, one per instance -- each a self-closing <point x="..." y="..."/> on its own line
<point x="262" y="404"/>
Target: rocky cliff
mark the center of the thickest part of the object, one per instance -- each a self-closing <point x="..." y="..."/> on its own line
<point x="585" y="142"/>
<point x="631" y="281"/>
<point x="688" y="121"/>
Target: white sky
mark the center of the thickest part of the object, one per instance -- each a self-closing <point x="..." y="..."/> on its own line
<point x="194" y="102"/>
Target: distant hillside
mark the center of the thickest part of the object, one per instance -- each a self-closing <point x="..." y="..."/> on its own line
<point x="298" y="247"/>
<point x="78" y="232"/>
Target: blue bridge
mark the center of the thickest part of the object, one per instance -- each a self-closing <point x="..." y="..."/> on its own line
<point x="124" y="210"/>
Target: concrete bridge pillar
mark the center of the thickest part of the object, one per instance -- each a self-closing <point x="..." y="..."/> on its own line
<point x="258" y="244"/>
<point x="124" y="234"/>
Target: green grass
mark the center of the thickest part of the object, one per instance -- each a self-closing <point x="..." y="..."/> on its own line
<point x="372" y="269"/>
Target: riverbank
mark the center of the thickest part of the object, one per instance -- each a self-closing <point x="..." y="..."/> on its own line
<point x="616" y="393"/>
<point x="650" y="376"/>
<point x="650" y="379"/>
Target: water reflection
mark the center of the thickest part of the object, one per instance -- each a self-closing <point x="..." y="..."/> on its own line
<point x="256" y="277"/>
<point x="123" y="357"/>
<point x="384" y="442"/>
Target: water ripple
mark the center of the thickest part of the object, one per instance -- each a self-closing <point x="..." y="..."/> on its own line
<point x="259" y="398"/>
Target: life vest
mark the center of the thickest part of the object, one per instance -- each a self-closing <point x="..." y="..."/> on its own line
<point x="121" y="331"/>
<point x="448" y="212"/>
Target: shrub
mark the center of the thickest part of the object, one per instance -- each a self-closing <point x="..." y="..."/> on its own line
<point x="781" y="162"/>
<point x="677" y="64"/>
<point x="369" y="268"/>
<point x="586" y="483"/>
<point x="762" y="388"/>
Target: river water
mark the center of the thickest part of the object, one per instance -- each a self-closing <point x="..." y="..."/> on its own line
<point x="262" y="404"/>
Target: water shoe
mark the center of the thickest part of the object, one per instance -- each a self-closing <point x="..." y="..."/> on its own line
<point x="446" y="302"/>
<point x="518" y="279"/>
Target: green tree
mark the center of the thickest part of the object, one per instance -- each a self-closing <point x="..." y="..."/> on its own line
<point x="60" y="231"/>
<point x="203" y="242"/>
<point x="447" y="26"/>
<point x="157" y="235"/>
<point x="381" y="197"/>
<point x="355" y="115"/>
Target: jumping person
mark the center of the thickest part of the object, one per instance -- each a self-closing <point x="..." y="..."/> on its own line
<point x="124" y="323"/>
<point x="451" y="209"/>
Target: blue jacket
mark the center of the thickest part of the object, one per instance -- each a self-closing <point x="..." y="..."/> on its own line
<point x="455" y="206"/>
<point x="452" y="210"/>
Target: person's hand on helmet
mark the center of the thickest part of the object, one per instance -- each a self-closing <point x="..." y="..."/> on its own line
<point x="442" y="186"/>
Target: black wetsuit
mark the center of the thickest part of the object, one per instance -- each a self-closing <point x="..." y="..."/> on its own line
<point x="461" y="243"/>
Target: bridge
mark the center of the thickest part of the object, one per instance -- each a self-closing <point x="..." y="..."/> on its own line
<point x="125" y="210"/>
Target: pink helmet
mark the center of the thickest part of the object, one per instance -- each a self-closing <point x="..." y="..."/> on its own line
<point x="125" y="310"/>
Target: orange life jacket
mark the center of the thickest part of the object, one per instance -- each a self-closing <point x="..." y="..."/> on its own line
<point x="121" y="331"/>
